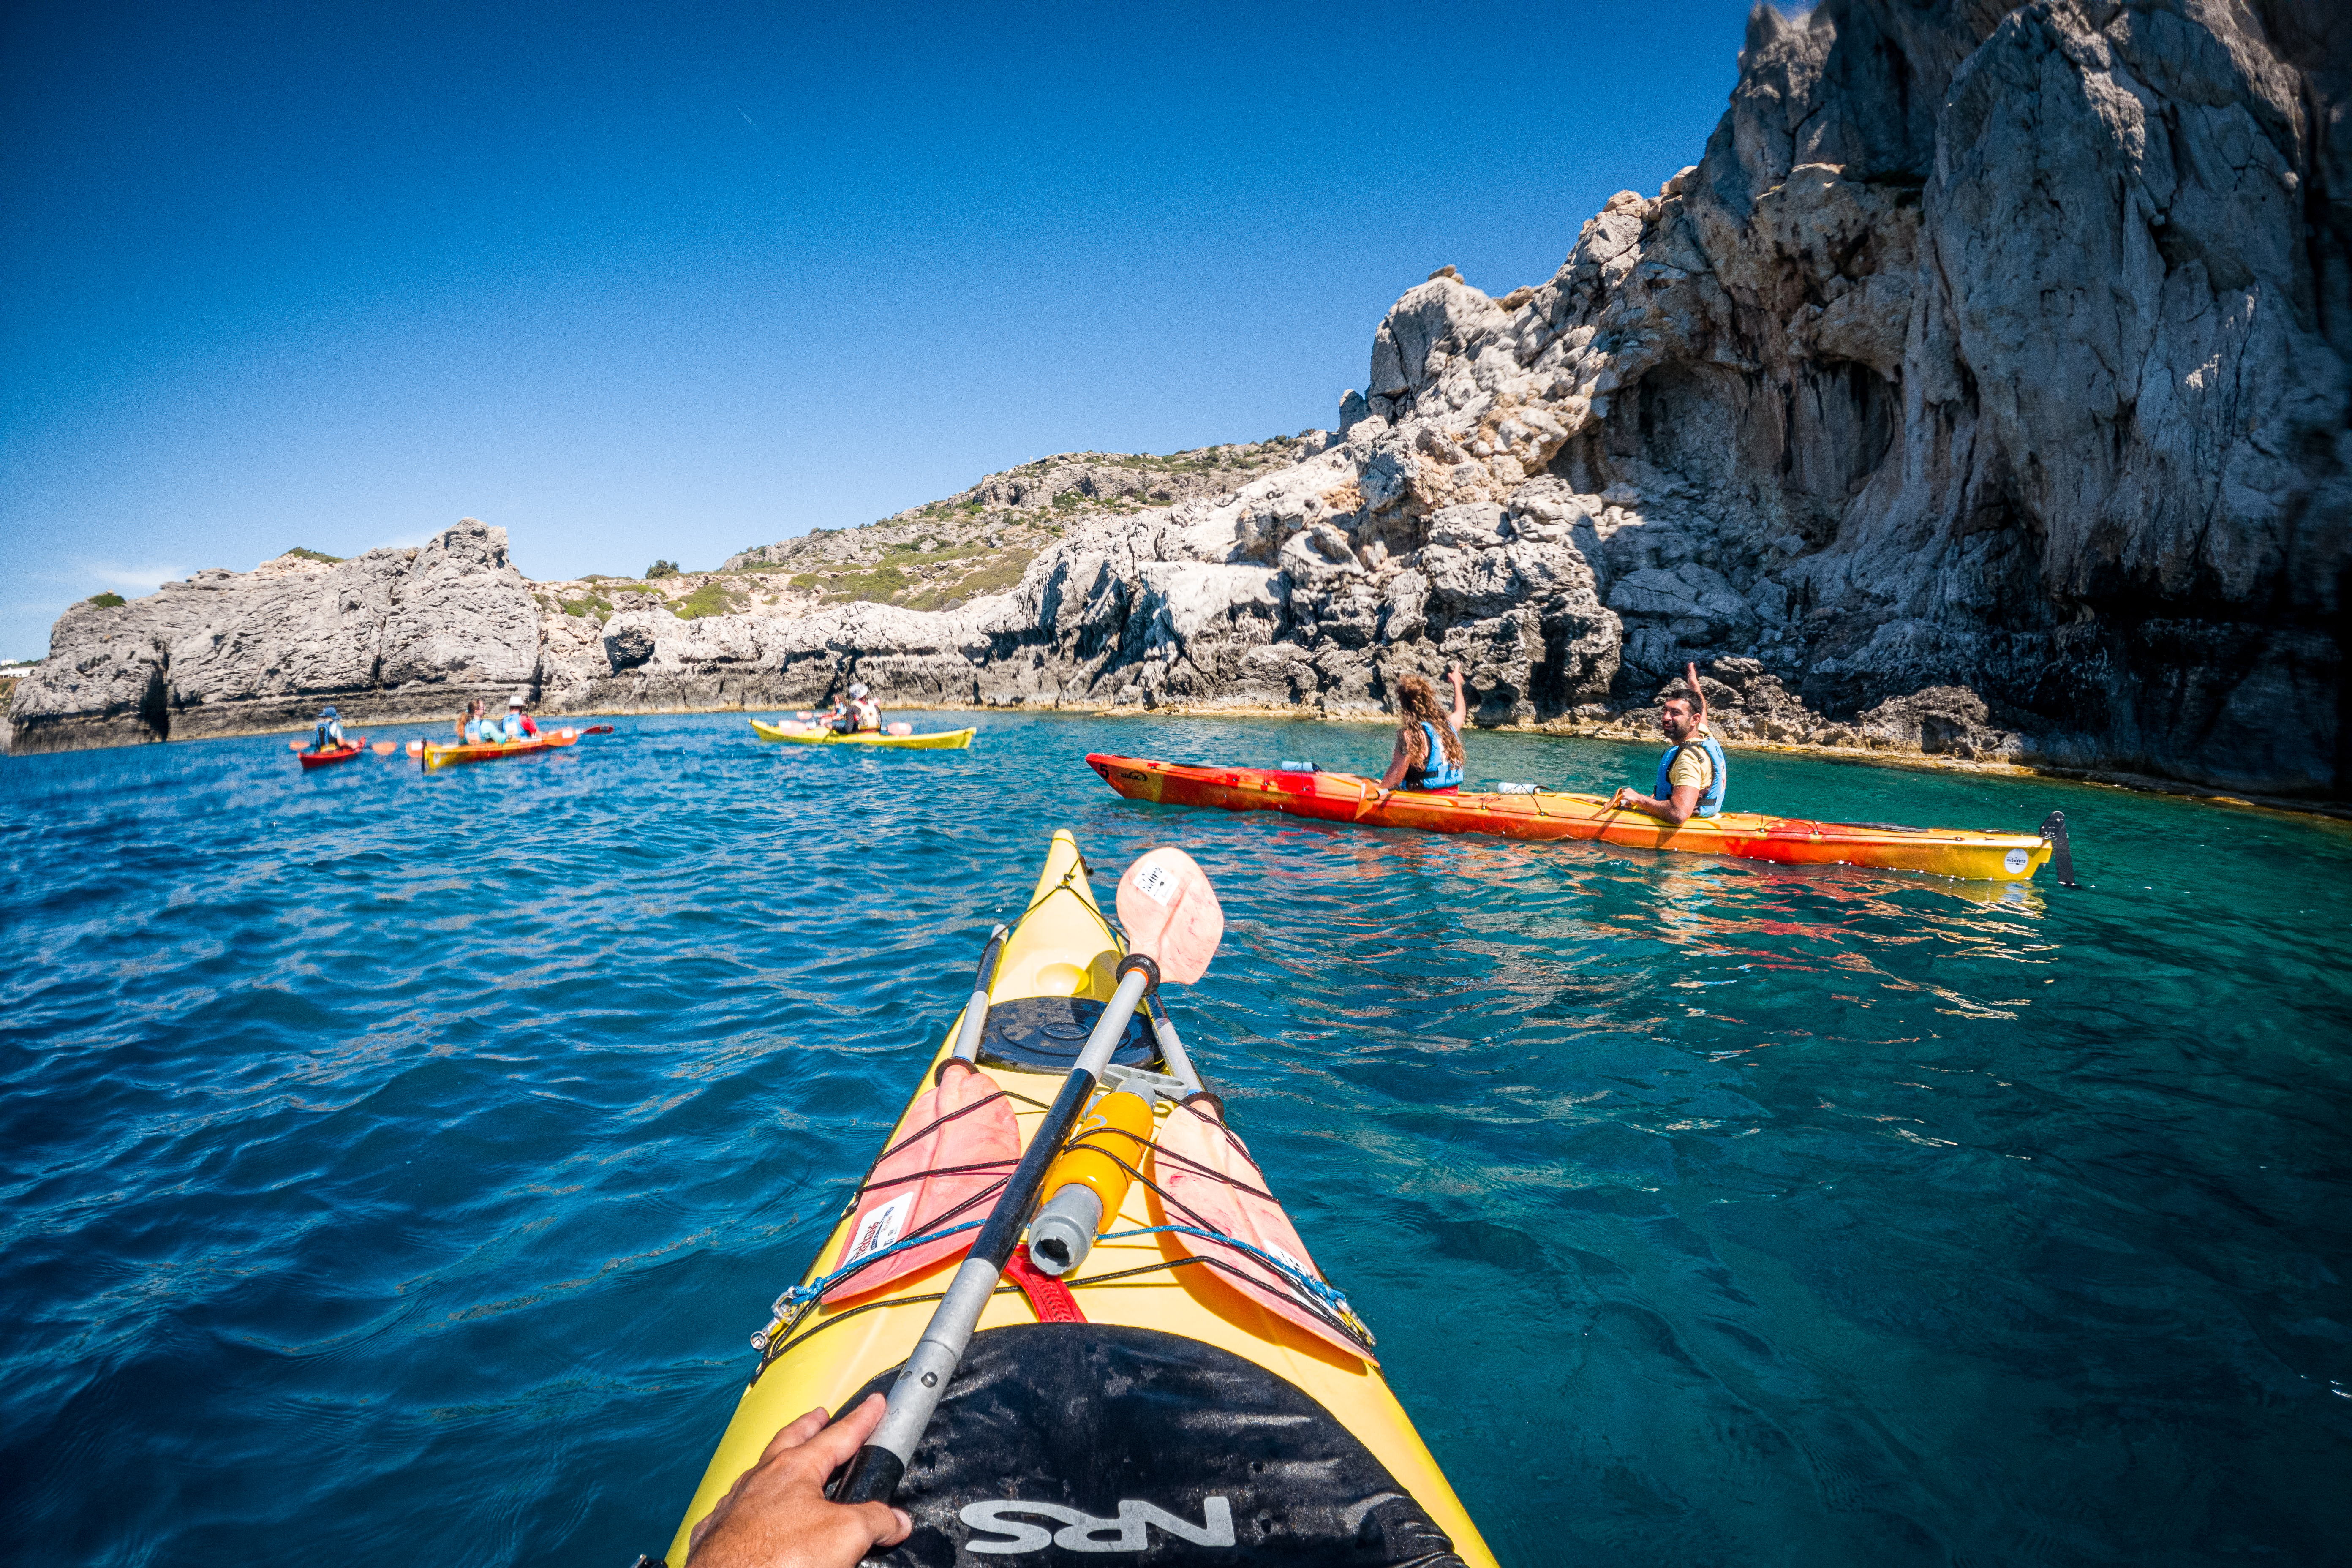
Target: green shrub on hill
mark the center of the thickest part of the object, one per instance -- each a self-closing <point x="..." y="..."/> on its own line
<point x="298" y="553"/>
<point x="108" y="601"/>
<point x="711" y="599"/>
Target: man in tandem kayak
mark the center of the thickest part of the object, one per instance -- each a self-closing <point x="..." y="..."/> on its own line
<point x="862" y="713"/>
<point x="1428" y="754"/>
<point x="517" y="726"/>
<point x="327" y="735"/>
<point x="1692" y="774"/>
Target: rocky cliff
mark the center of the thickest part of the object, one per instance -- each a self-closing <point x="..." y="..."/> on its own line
<point x="1982" y="389"/>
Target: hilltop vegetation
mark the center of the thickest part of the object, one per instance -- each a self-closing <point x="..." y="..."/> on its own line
<point x="943" y="554"/>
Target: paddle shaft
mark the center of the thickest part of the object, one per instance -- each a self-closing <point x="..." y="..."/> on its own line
<point x="873" y="1474"/>
<point x="975" y="1012"/>
<point x="1172" y="1047"/>
<point x="2062" y="858"/>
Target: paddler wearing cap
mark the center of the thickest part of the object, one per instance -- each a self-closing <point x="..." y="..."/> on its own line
<point x="1692" y="774"/>
<point x="518" y="725"/>
<point x="862" y="713"/>
<point x="327" y="735"/>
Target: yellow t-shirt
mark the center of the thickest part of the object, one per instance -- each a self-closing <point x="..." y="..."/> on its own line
<point x="1692" y="765"/>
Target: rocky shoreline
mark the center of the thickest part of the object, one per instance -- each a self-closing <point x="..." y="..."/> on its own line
<point x="1983" y="394"/>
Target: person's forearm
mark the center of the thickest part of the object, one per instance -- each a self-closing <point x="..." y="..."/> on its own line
<point x="1670" y="812"/>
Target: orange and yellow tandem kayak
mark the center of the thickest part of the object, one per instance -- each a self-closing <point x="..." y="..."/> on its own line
<point x="1192" y="1389"/>
<point x="1790" y="841"/>
<point x="436" y="757"/>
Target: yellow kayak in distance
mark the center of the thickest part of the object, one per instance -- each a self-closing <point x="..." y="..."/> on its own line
<point x="1193" y="1387"/>
<point x="810" y="735"/>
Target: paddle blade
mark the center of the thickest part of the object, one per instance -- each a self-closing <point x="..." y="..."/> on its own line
<point x="964" y="1144"/>
<point x="1208" y="1180"/>
<point x="1171" y="914"/>
<point x="296" y="745"/>
<point x="385" y="748"/>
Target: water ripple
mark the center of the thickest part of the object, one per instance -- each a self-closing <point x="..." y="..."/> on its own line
<point x="394" y="1166"/>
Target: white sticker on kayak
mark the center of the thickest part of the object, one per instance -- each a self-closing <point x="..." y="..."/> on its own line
<point x="880" y="1228"/>
<point x="2014" y="861"/>
<point x="1156" y="882"/>
<point x="1130" y="1531"/>
<point x="1280" y="1255"/>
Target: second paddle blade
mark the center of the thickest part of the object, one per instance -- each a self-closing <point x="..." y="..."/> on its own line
<point x="1171" y="914"/>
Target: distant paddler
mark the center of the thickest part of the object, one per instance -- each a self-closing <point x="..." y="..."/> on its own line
<point x="518" y="725"/>
<point x="860" y="714"/>
<point x="327" y="735"/>
<point x="1692" y="776"/>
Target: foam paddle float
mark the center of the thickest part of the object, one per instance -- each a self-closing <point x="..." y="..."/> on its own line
<point x="1173" y="926"/>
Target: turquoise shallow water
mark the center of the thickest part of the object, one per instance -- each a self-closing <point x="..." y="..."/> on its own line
<point x="394" y="1167"/>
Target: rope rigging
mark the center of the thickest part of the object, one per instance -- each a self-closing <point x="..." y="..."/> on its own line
<point x="1316" y="1297"/>
<point x="1325" y="1301"/>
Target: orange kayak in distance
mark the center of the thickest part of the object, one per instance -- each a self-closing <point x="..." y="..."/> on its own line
<point x="448" y="756"/>
<point x="1785" y="840"/>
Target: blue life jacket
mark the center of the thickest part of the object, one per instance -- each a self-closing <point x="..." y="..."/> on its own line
<point x="1710" y="800"/>
<point x="512" y="728"/>
<point x="1435" y="771"/>
<point x="327" y="735"/>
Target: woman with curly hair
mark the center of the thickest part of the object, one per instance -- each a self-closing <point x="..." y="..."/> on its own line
<point x="1428" y="755"/>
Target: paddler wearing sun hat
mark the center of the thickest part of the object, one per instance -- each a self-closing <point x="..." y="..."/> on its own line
<point x="327" y="735"/>
<point x="862" y="713"/>
<point x="518" y="725"/>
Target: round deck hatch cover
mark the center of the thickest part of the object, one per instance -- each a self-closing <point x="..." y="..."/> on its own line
<point x="1047" y="1034"/>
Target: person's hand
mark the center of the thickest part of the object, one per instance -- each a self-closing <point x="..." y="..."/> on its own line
<point x="1453" y="673"/>
<point x="1617" y="800"/>
<point x="1690" y="673"/>
<point x="776" y="1515"/>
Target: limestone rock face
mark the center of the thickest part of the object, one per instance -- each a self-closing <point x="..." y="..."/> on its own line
<point x="391" y="634"/>
<point x="1991" y="349"/>
<point x="1982" y="390"/>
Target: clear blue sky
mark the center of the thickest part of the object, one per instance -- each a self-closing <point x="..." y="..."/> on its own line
<point x="640" y="281"/>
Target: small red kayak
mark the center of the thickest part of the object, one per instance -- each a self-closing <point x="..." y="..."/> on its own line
<point x="351" y="747"/>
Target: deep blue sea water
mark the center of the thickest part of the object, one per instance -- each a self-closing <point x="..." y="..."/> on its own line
<point x="394" y="1167"/>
